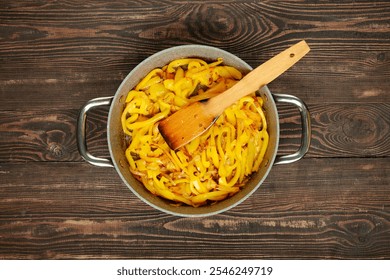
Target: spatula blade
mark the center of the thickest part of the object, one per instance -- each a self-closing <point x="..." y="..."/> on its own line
<point x="185" y="125"/>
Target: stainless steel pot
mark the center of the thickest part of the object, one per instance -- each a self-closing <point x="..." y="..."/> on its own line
<point x="117" y="145"/>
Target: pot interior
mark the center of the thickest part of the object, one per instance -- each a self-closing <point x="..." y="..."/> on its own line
<point x="117" y="144"/>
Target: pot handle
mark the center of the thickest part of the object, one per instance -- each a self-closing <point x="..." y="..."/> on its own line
<point x="81" y="135"/>
<point x="306" y="128"/>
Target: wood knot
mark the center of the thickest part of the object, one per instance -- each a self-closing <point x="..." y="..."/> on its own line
<point x="56" y="150"/>
<point x="381" y="57"/>
<point x="213" y="20"/>
<point x="359" y="128"/>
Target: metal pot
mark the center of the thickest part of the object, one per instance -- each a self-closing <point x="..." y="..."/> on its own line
<point x="117" y="145"/>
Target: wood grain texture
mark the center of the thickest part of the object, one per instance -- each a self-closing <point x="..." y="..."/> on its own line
<point x="97" y="44"/>
<point x="290" y="216"/>
<point x="338" y="130"/>
<point x="50" y="135"/>
<point x="56" y="55"/>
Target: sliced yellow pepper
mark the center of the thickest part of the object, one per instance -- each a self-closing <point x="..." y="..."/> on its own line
<point x="211" y="167"/>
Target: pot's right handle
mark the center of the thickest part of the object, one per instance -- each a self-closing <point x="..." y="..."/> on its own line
<point x="306" y="128"/>
<point x="81" y="135"/>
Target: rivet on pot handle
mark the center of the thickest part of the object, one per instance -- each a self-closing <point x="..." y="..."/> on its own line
<point x="81" y="135"/>
<point x="306" y="128"/>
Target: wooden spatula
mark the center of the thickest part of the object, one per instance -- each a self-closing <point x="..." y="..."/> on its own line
<point x="194" y="119"/>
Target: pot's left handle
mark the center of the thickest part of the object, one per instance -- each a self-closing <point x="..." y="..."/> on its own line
<point x="81" y="135"/>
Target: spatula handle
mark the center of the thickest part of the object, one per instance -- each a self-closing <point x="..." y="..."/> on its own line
<point x="260" y="76"/>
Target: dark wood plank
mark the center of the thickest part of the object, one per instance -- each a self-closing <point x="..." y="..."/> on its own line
<point x="79" y="50"/>
<point x="338" y="130"/>
<point x="50" y="135"/>
<point x="315" y="208"/>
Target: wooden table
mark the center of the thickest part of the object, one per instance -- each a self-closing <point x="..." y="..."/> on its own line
<point x="56" y="55"/>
